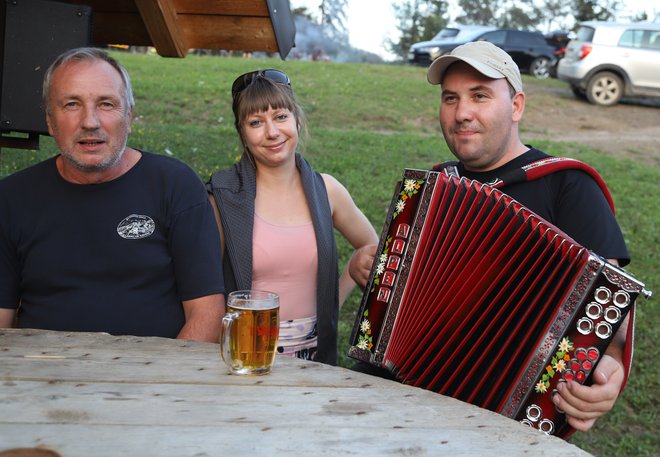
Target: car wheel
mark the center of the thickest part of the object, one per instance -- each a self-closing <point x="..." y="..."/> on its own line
<point x="605" y="89"/>
<point x="540" y="68"/>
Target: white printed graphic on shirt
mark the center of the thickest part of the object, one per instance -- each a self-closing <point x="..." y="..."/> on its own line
<point x="136" y="226"/>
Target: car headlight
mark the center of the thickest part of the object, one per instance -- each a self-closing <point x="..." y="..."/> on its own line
<point x="428" y="49"/>
<point x="434" y="52"/>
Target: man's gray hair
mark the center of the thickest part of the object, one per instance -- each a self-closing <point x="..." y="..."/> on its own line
<point x="86" y="54"/>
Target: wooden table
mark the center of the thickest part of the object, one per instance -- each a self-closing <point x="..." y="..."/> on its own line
<point x="86" y="394"/>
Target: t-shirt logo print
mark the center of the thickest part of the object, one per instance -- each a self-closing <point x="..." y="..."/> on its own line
<point x="136" y="226"/>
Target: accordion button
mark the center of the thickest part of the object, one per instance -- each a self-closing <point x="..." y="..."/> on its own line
<point x="383" y="294"/>
<point x="581" y="354"/>
<point x="603" y="330"/>
<point x="398" y="246"/>
<point x="388" y="278"/>
<point x="393" y="262"/>
<point x="403" y="230"/>
<point x="602" y="295"/>
<point x="594" y="310"/>
<point x="569" y="376"/>
<point x="575" y="365"/>
<point x="587" y="365"/>
<point x="593" y="354"/>
<point x="534" y="412"/>
<point x="547" y="426"/>
<point x="621" y="298"/>
<point x="585" y="326"/>
<point x="612" y="314"/>
<point x="580" y="376"/>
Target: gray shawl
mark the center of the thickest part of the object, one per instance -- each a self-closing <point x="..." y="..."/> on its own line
<point x="234" y="191"/>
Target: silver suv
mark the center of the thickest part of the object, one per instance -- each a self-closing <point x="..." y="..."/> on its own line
<point x="609" y="60"/>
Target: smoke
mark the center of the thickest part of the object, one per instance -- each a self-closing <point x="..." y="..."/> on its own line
<point x="313" y="42"/>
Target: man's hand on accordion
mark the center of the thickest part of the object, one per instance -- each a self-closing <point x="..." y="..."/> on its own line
<point x="584" y="404"/>
<point x="360" y="264"/>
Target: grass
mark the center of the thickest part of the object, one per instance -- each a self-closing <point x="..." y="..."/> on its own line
<point x="368" y="122"/>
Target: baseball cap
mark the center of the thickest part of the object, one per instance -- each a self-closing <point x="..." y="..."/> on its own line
<point x="484" y="57"/>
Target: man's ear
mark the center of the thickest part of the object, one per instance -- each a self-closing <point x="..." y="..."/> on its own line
<point x="48" y="123"/>
<point x="518" y="103"/>
<point x="130" y="120"/>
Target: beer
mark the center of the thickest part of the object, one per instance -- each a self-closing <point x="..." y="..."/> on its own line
<point x="249" y="332"/>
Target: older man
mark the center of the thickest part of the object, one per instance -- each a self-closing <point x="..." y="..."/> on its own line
<point x="104" y="237"/>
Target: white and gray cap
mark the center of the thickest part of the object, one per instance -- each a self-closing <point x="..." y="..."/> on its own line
<point x="484" y="57"/>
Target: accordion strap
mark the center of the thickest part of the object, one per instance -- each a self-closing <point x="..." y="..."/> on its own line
<point x="536" y="170"/>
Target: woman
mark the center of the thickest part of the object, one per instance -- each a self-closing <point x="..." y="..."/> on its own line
<point x="277" y="215"/>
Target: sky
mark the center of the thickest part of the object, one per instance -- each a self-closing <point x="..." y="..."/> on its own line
<point x="370" y="22"/>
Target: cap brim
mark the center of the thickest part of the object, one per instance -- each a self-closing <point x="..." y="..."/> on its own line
<point x="436" y="71"/>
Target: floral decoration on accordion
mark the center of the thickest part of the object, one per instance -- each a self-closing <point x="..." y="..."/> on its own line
<point x="365" y="339"/>
<point x="558" y="364"/>
<point x="380" y="268"/>
<point x="410" y="188"/>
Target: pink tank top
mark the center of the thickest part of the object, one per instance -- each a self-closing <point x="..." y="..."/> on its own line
<point x="285" y="261"/>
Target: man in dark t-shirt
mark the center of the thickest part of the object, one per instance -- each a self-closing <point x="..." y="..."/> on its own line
<point x="104" y="237"/>
<point x="482" y="103"/>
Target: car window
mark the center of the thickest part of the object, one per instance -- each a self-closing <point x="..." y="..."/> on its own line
<point x="654" y="40"/>
<point x="649" y="39"/>
<point x="536" y="40"/>
<point x="446" y="33"/>
<point x="518" y="38"/>
<point x="585" y="33"/>
<point x="497" y="37"/>
<point x="632" y="39"/>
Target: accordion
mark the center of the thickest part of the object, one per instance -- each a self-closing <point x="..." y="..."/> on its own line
<point x="474" y="296"/>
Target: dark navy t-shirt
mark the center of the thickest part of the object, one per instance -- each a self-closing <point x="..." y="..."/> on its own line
<point x="117" y="257"/>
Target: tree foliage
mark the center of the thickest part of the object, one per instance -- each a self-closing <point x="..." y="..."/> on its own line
<point x="519" y="14"/>
<point x="594" y="10"/>
<point x="418" y="20"/>
<point x="333" y="14"/>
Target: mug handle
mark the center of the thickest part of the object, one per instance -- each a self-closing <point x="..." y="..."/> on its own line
<point x="225" y="335"/>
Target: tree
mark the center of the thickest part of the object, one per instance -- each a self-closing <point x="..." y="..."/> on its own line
<point x="521" y="14"/>
<point x="418" y="20"/>
<point x="333" y="15"/>
<point x="479" y="13"/>
<point x="595" y="10"/>
<point x="554" y="14"/>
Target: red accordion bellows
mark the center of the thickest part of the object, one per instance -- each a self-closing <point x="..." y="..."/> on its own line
<point x="474" y="296"/>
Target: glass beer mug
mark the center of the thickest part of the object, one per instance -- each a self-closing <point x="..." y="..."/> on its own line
<point x="248" y="340"/>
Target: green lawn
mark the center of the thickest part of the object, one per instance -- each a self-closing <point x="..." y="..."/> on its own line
<point x="367" y="123"/>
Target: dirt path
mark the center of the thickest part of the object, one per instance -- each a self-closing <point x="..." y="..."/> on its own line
<point x="630" y="129"/>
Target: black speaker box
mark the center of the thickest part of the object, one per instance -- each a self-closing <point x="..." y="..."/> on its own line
<point x="33" y="34"/>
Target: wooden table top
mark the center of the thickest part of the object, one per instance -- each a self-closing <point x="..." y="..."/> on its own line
<point x="92" y="394"/>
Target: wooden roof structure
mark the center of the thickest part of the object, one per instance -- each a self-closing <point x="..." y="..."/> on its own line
<point x="45" y="28"/>
<point x="175" y="26"/>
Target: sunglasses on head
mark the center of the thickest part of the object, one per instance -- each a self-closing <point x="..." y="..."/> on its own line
<point x="246" y="79"/>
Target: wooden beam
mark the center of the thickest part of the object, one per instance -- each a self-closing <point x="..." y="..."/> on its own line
<point x="243" y="25"/>
<point x="229" y="32"/>
<point x="223" y="7"/>
<point x="160" y="19"/>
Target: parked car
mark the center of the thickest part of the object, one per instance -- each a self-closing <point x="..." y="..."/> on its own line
<point x="609" y="60"/>
<point x="529" y="50"/>
<point x="425" y="52"/>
